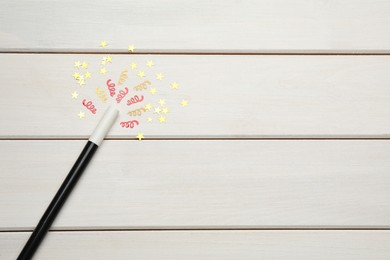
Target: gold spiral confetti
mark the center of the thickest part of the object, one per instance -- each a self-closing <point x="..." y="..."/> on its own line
<point x="143" y="85"/>
<point x="122" y="77"/>
<point x="101" y="94"/>
<point x="136" y="112"/>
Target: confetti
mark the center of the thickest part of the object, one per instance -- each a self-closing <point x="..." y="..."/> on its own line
<point x="165" y="110"/>
<point x="76" y="75"/>
<point x="153" y="91"/>
<point x="141" y="74"/>
<point x="81" y="81"/>
<point x="90" y="106"/>
<point x="122" y="77"/>
<point x="162" y="119"/>
<point x="103" y="71"/>
<point x="148" y="107"/>
<point x="150" y="119"/>
<point x="135" y="99"/>
<point x="157" y="110"/>
<point x="136" y="112"/>
<point x="150" y="63"/>
<point x="101" y="94"/>
<point x="87" y="75"/>
<point x="143" y="85"/>
<point x="121" y="95"/>
<point x="81" y="115"/>
<point x="162" y="102"/>
<point x="103" y="44"/>
<point x="140" y="136"/>
<point x="133" y="65"/>
<point x="84" y="65"/>
<point x="111" y="87"/>
<point x="129" y="123"/>
<point x="131" y="48"/>
<point x="174" y="85"/>
<point x="75" y="95"/>
<point x="77" y="64"/>
<point x="184" y="103"/>
<point x="159" y="76"/>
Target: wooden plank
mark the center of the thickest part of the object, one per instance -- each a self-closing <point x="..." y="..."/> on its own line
<point x="197" y="26"/>
<point x="230" y="96"/>
<point x="200" y="184"/>
<point x="205" y="245"/>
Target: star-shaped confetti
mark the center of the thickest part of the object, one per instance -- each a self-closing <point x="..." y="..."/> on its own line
<point x="75" y="95"/>
<point x="84" y="65"/>
<point x="159" y="76"/>
<point x="148" y="107"/>
<point x="184" y="103"/>
<point x="150" y="119"/>
<point x="162" y="102"/>
<point x="133" y="65"/>
<point x="109" y="59"/>
<point x="141" y="74"/>
<point x="157" y="110"/>
<point x="131" y="48"/>
<point x="87" y="75"/>
<point x="81" y="82"/>
<point x="140" y="136"/>
<point x="81" y="114"/>
<point x="76" y="75"/>
<point x="103" y="44"/>
<point x="165" y="110"/>
<point x="162" y="119"/>
<point x="174" y="85"/>
<point x="77" y="64"/>
<point x="150" y="63"/>
<point x="103" y="71"/>
<point x="153" y="91"/>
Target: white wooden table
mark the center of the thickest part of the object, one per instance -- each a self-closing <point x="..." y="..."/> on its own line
<point x="283" y="152"/>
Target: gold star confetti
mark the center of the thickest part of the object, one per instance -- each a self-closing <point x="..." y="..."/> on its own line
<point x="84" y="65"/>
<point x="150" y="63"/>
<point x="153" y="91"/>
<point x="75" y="95"/>
<point x="159" y="76"/>
<point x="141" y="74"/>
<point x="81" y="114"/>
<point x="148" y="107"/>
<point x="174" y="85"/>
<point x="109" y="59"/>
<point x="81" y="82"/>
<point x="103" y="71"/>
<point x="103" y="44"/>
<point x="184" y="103"/>
<point x="140" y="136"/>
<point x="77" y="64"/>
<point x="150" y="119"/>
<point x="157" y="110"/>
<point x="76" y="75"/>
<point x="131" y="48"/>
<point x="165" y="110"/>
<point x="103" y="62"/>
<point x="161" y="102"/>
<point x="133" y="65"/>
<point x="87" y="75"/>
<point x="162" y="119"/>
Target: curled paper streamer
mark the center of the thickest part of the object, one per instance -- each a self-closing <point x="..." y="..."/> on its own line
<point x="121" y="95"/>
<point x="129" y="124"/>
<point x="101" y="94"/>
<point x="136" y="112"/>
<point x="90" y="106"/>
<point x="143" y="85"/>
<point x="122" y="77"/>
<point x="134" y="100"/>
<point x="111" y="87"/>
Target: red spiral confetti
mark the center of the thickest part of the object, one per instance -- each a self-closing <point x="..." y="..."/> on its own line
<point x="90" y="106"/>
<point x="121" y="95"/>
<point x="129" y="124"/>
<point x="111" y="87"/>
<point x="134" y="100"/>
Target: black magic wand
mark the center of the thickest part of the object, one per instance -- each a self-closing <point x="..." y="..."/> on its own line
<point x="70" y="181"/>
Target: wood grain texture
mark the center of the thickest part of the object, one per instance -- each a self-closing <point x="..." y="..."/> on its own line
<point x="230" y="96"/>
<point x="215" y="245"/>
<point x="200" y="184"/>
<point x="197" y="25"/>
